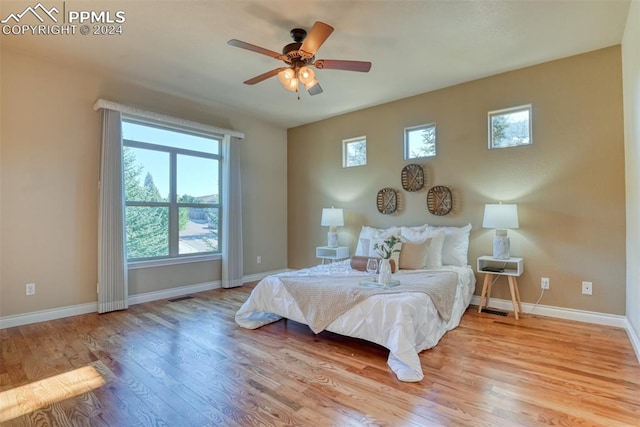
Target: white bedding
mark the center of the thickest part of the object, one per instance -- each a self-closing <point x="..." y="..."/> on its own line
<point x="405" y="323"/>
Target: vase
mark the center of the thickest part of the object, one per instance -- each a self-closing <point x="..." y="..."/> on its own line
<point x="384" y="273"/>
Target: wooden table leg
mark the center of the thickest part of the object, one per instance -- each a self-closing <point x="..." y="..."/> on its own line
<point x="485" y="287"/>
<point x="513" y="288"/>
<point x="515" y="285"/>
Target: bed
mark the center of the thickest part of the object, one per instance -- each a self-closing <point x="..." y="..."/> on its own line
<point x="404" y="319"/>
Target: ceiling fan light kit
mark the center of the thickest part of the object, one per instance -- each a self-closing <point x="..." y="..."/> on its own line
<point x="289" y="77"/>
<point x="299" y="57"/>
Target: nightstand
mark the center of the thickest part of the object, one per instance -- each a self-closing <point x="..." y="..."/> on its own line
<point x="495" y="267"/>
<point x="332" y="254"/>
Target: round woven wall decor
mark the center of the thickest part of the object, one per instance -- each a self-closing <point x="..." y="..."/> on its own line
<point x="439" y="200"/>
<point x="387" y="201"/>
<point x="412" y="177"/>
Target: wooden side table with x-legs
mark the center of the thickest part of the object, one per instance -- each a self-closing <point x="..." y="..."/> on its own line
<point x="493" y="268"/>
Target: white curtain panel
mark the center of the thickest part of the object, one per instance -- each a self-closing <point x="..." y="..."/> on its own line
<point x="112" y="259"/>
<point x="232" y="270"/>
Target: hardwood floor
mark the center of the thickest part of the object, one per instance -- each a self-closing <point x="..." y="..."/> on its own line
<point x="187" y="363"/>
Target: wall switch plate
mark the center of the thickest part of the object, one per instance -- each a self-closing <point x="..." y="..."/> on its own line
<point x="544" y="283"/>
<point x="31" y="288"/>
<point x="587" y="288"/>
<point x="258" y="259"/>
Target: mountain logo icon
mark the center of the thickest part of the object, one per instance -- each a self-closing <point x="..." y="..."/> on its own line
<point x="38" y="11"/>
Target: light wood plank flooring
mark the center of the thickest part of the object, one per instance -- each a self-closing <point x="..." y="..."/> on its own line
<point x="187" y="363"/>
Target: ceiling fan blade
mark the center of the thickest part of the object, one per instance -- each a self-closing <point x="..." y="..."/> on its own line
<point x="318" y="34"/>
<point x="338" y="64"/>
<point x="315" y="89"/>
<point x="264" y="76"/>
<point x="254" y="48"/>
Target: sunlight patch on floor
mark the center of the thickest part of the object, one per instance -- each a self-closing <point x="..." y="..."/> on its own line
<point x="39" y="394"/>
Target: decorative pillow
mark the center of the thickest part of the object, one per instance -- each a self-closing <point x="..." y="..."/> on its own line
<point x="434" y="252"/>
<point x="456" y="244"/>
<point x="360" y="263"/>
<point x="395" y="251"/>
<point x="415" y="234"/>
<point x="368" y="233"/>
<point x="363" y="247"/>
<point x="414" y="255"/>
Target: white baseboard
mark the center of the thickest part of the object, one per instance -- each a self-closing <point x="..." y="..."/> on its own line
<point x="92" y="307"/>
<point x="46" y="315"/>
<point x="559" y="312"/>
<point x="172" y="292"/>
<point x="634" y="337"/>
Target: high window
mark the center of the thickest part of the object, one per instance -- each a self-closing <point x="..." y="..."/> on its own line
<point x="354" y="152"/>
<point x="172" y="191"/>
<point x="420" y="141"/>
<point x="510" y="127"/>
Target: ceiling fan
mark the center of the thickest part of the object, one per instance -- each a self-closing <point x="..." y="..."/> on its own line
<point x="299" y="56"/>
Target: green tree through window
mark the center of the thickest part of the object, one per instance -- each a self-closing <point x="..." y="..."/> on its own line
<point x="171" y="186"/>
<point x="420" y="141"/>
<point x="510" y="127"/>
<point x="147" y="229"/>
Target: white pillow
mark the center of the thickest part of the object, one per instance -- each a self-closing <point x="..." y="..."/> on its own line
<point x="363" y="247"/>
<point x="434" y="254"/>
<point x="415" y="234"/>
<point x="369" y="233"/>
<point x="455" y="249"/>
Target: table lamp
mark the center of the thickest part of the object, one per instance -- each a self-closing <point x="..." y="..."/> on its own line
<point x="332" y="218"/>
<point x="501" y="217"/>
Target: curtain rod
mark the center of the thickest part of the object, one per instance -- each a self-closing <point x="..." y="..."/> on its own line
<point x="110" y="105"/>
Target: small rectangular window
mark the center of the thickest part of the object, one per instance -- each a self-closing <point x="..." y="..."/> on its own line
<point x="510" y="127"/>
<point x="420" y="141"/>
<point x="354" y="152"/>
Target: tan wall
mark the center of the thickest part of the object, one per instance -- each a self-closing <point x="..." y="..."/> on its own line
<point x="48" y="184"/>
<point x="631" y="78"/>
<point x="569" y="185"/>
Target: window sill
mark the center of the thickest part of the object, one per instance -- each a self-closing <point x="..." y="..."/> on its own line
<point x="134" y="265"/>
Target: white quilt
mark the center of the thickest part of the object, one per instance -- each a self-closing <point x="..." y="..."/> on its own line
<point x="405" y="323"/>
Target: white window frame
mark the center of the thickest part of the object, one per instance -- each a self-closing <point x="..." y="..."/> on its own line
<point x="506" y="112"/>
<point x="409" y="130"/>
<point x="345" y="147"/>
<point x="173" y="205"/>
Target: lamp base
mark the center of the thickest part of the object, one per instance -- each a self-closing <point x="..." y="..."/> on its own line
<point x="332" y="239"/>
<point x="501" y="247"/>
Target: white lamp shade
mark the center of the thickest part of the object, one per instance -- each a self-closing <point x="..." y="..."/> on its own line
<point x="332" y="217"/>
<point x="288" y="79"/>
<point x="286" y="75"/>
<point x="306" y="75"/>
<point x="500" y="216"/>
<point x="292" y="85"/>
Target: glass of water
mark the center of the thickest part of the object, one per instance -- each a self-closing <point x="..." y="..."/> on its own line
<point x="372" y="268"/>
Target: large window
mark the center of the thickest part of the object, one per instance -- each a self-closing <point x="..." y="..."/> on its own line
<point x="172" y="191"/>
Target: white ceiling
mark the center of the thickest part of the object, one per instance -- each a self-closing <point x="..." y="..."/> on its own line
<point x="179" y="47"/>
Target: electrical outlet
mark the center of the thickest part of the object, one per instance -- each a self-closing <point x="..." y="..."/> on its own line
<point x="31" y="288"/>
<point x="587" y="288"/>
<point x="258" y="259"/>
<point x="544" y="283"/>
